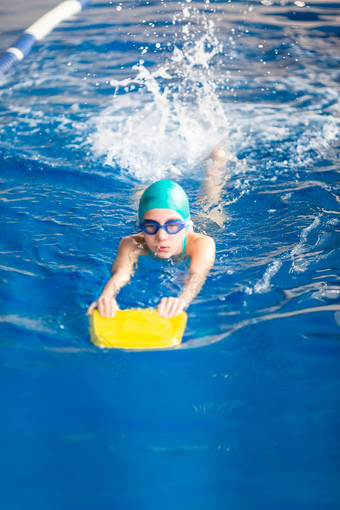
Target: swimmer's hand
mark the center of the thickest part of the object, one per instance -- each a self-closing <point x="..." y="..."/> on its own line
<point x="107" y="307"/>
<point x="170" y="307"/>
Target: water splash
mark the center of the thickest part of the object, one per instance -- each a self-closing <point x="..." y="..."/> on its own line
<point x="163" y="121"/>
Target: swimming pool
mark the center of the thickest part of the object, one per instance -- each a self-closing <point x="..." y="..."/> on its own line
<point x="244" y="415"/>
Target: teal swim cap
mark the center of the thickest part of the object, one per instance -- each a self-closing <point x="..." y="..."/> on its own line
<point x="164" y="194"/>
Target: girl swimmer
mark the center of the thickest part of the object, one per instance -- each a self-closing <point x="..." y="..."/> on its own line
<point x="166" y="232"/>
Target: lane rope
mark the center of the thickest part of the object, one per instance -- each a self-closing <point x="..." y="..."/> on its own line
<point x="43" y="26"/>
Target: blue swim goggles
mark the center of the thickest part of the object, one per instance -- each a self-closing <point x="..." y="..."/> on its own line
<point x="171" y="227"/>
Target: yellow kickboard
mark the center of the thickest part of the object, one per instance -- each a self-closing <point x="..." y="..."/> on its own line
<point x="137" y="328"/>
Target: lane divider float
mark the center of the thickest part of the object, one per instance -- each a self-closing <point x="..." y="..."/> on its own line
<point x="38" y="30"/>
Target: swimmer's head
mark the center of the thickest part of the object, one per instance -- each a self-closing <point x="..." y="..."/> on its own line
<point x="165" y="201"/>
<point x="164" y="194"/>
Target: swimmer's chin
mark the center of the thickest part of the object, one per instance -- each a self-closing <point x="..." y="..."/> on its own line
<point x="163" y="254"/>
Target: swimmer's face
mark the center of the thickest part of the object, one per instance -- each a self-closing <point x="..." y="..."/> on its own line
<point x="162" y="244"/>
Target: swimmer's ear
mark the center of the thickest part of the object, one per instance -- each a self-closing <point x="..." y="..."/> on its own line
<point x="189" y="226"/>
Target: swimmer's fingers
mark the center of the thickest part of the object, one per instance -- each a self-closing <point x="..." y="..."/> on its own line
<point x="91" y="307"/>
<point x="170" y="307"/>
<point x="107" y="307"/>
<point x="180" y="306"/>
<point x="103" y="307"/>
<point x="167" y="307"/>
<point x="175" y="307"/>
<point x="114" y="307"/>
<point x="161" y="307"/>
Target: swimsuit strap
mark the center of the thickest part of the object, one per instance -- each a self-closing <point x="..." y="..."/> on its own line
<point x="184" y="245"/>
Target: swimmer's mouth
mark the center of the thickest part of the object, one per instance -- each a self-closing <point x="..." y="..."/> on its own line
<point x="162" y="248"/>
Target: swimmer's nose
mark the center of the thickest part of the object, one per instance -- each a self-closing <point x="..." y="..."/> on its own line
<point x="161" y="234"/>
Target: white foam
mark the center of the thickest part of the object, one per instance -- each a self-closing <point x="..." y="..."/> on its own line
<point x="264" y="285"/>
<point x="298" y="255"/>
<point x="299" y="260"/>
<point x="170" y="119"/>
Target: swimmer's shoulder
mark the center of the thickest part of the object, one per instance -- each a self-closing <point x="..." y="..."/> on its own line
<point x="130" y="248"/>
<point x="133" y="243"/>
<point x="200" y="244"/>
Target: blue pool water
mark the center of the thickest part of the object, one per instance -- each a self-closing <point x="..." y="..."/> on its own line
<point x="245" y="414"/>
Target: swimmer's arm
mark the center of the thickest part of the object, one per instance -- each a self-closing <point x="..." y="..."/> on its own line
<point x="202" y="260"/>
<point x="202" y="255"/>
<point x="121" y="270"/>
